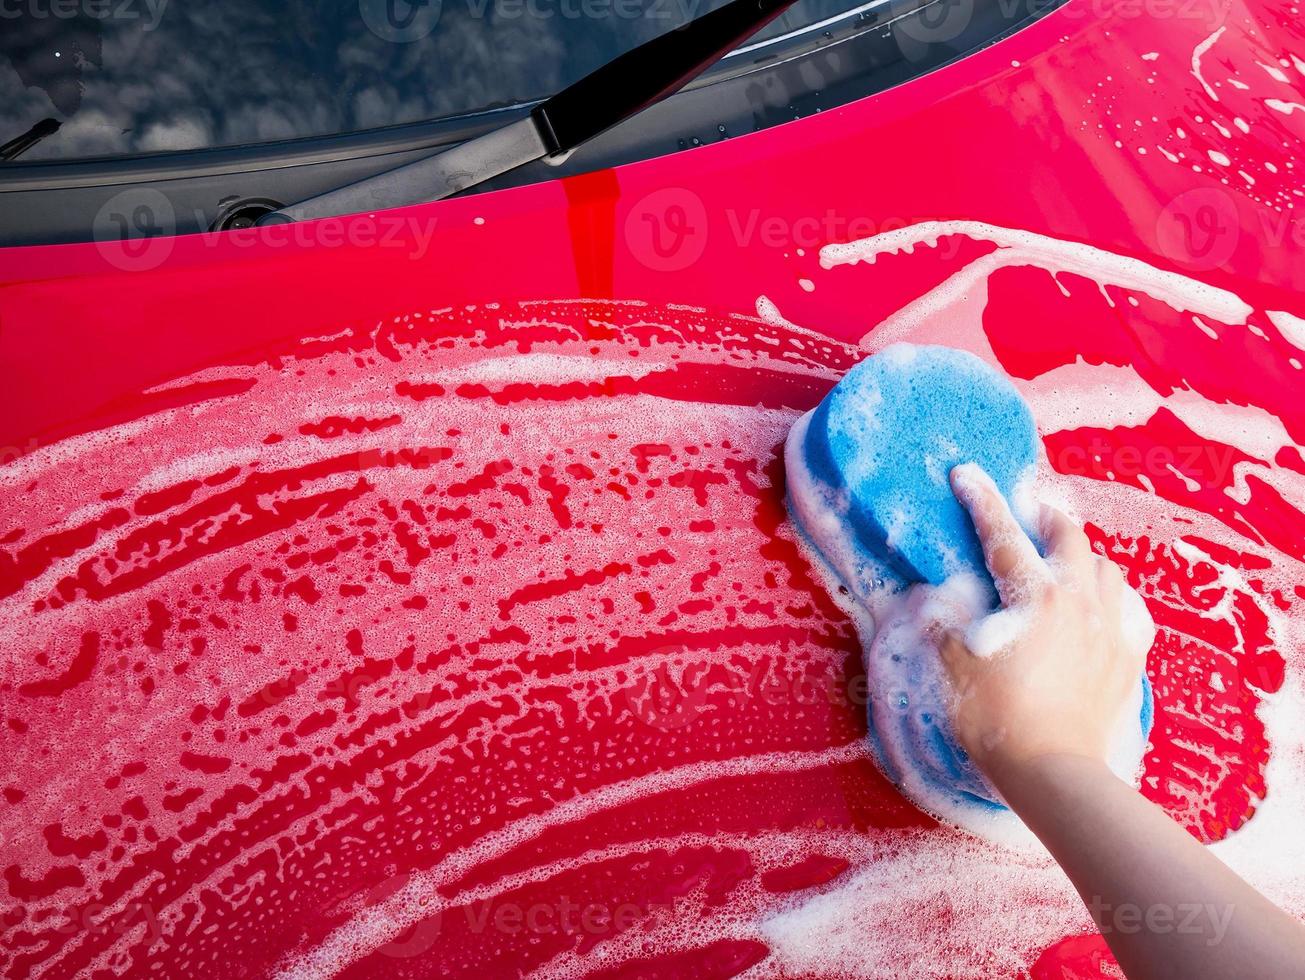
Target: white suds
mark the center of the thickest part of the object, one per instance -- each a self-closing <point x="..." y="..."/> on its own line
<point x="1290" y="326"/>
<point x="1197" y="53"/>
<point x="1274" y="72"/>
<point x="1026" y="248"/>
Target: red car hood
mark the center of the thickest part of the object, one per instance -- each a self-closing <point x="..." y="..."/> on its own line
<point x="412" y="594"/>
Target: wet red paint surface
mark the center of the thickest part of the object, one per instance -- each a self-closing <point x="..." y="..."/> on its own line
<point x="366" y="633"/>
<point x="362" y="648"/>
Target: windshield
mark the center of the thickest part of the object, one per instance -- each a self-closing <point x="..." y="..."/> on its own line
<point x="126" y="77"/>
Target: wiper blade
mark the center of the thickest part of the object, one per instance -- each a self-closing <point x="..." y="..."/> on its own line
<point x="619" y="89"/>
<point x="20" y="145"/>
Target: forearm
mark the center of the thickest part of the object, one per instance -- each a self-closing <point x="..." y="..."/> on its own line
<point x="1166" y="906"/>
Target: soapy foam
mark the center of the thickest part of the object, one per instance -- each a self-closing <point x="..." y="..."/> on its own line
<point x="420" y="896"/>
<point x="1024" y="248"/>
<point x="1198" y="53"/>
<point x="1000" y="908"/>
<point x="1283" y="106"/>
<point x="396" y="452"/>
<point x="1292" y="326"/>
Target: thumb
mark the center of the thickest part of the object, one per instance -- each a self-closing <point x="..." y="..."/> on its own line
<point x="953" y="651"/>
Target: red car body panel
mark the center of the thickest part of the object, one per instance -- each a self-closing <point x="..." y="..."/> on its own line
<point x="412" y="594"/>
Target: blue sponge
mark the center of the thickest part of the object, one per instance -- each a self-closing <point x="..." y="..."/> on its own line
<point x="890" y="433"/>
<point x="869" y="490"/>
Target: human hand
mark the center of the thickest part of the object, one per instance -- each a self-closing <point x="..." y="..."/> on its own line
<point x="1039" y="696"/>
<point x="1054" y="671"/>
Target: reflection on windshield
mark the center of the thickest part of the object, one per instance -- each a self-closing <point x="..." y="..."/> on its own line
<point x="136" y="76"/>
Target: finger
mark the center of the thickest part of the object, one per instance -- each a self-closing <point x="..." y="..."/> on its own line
<point x="1011" y="557"/>
<point x="1136" y="625"/>
<point x="1064" y="539"/>
<point x="934" y="632"/>
<point x="953" y="651"/>
<point x="1110" y="581"/>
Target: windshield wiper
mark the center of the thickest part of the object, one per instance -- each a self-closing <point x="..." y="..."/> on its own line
<point x="18" y="146"/>
<point x="624" y="86"/>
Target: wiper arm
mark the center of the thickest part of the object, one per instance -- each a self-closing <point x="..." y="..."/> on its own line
<point x="624" y="86"/>
<point x="18" y="146"/>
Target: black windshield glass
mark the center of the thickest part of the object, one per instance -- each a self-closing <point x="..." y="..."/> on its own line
<point x="142" y="76"/>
